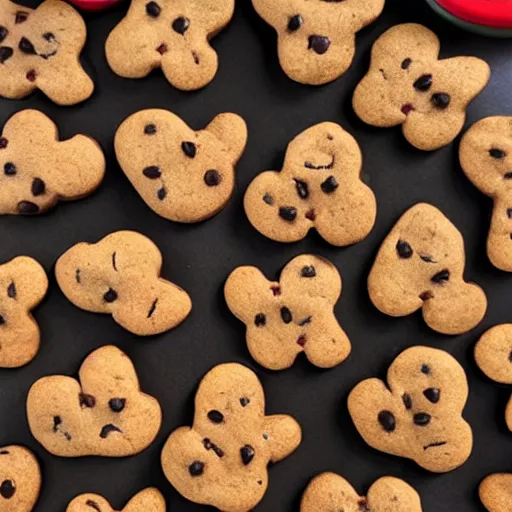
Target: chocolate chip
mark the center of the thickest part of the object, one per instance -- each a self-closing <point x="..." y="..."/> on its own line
<point x="286" y="315"/>
<point x="110" y="295"/>
<point x="441" y="277"/>
<point x="150" y="129"/>
<point x="162" y="48"/>
<point x="152" y="172"/>
<point x="212" y="178"/>
<point x="387" y="421"/>
<point x="3" y="33"/>
<point x="268" y="199"/>
<point x="276" y="290"/>
<point x="108" y="429"/>
<point x="260" y="320"/>
<point x="509" y="213"/>
<point x="404" y="250"/>
<point x="302" y="189"/>
<point x="295" y="22"/>
<point x="27" y="208"/>
<point x="77" y="275"/>
<point x="196" y="468"/>
<point x="2" y="320"/>
<point x="441" y="100"/>
<point x="422" y="419"/>
<point x="308" y="271"/>
<point x="208" y="445"/>
<point x="9" y="169"/>
<point x="424" y="83"/>
<point x="426" y="295"/>
<point x="180" y="25"/>
<point x="329" y="185"/>
<point x="57" y="420"/>
<point x="93" y="504"/>
<point x="26" y="46"/>
<point x="117" y="404"/>
<point x="432" y="394"/>
<point x="319" y="44"/>
<point x="196" y="57"/>
<point x="11" y="291"/>
<point x="152" y="308"/>
<point x="305" y="321"/>
<point x="311" y="215"/>
<point x="161" y="194"/>
<point x="508" y="176"/>
<point x="288" y="213"/>
<point x="497" y="153"/>
<point x="301" y="340"/>
<point x="215" y="416"/>
<point x="21" y="16"/>
<point x="38" y="187"/>
<point x="31" y="75"/>
<point x="3" y="142"/>
<point x="407" y="108"/>
<point x="49" y="36"/>
<point x="7" y="489"/>
<point x="4" y="452"/>
<point x="189" y="148"/>
<point x="86" y="400"/>
<point x="5" y="53"/>
<point x="406" y="63"/>
<point x="425" y="368"/>
<point x="265" y="436"/>
<point x="510" y="356"/>
<point x="153" y="9"/>
<point x="407" y="400"/>
<point x="247" y="453"/>
<point x="427" y="259"/>
<point x="244" y="401"/>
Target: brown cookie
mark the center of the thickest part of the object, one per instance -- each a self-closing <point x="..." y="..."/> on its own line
<point x="23" y="285"/>
<point x="417" y="414"/>
<point x="40" y="49"/>
<point x="39" y="170"/>
<point x="103" y="413"/>
<point x="319" y="187"/>
<point x="493" y="355"/>
<point x="291" y="316"/>
<point x="420" y="265"/>
<point x="148" y="500"/>
<point x="316" y="39"/>
<point x="329" y="492"/>
<point x="222" y="459"/>
<point x="408" y="85"/>
<point x="120" y="275"/>
<point x="183" y="175"/>
<point x="496" y="492"/>
<point x="20" y="479"/>
<point x="486" y="158"/>
<point x="171" y="35"/>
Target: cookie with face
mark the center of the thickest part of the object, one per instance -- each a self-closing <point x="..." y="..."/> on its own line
<point x="37" y="169"/>
<point x="486" y="158"/>
<point x="417" y="413"/>
<point x="329" y="492"/>
<point x="173" y="36"/>
<point x="182" y="175"/>
<point x="409" y="85"/>
<point x="20" y="479"/>
<point x="222" y="459"/>
<point x="319" y="187"/>
<point x="120" y="276"/>
<point x="40" y="49"/>
<point x="102" y="413"/>
<point x="148" y="500"/>
<point x="493" y="355"/>
<point x="420" y="265"/>
<point x="495" y="492"/>
<point x="23" y="285"/>
<point x="293" y="315"/>
<point x="317" y="38"/>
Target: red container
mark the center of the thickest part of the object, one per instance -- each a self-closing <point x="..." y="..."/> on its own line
<point x="491" y="13"/>
<point x="93" y="5"/>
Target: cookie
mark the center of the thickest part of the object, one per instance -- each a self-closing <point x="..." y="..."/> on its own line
<point x="40" y="49"/>
<point x="293" y="315"/>
<point x="120" y="275"/>
<point x="408" y="85"/>
<point x="39" y="170"/>
<point x="486" y="158"/>
<point x="103" y="413"/>
<point x="173" y="36"/>
<point x="222" y="459"/>
<point x="417" y="414"/>
<point x="24" y="284"/>
<point x="495" y="492"/>
<point x="316" y="40"/>
<point x="148" y="500"/>
<point x="420" y="265"/>
<point x="329" y="492"/>
<point x="493" y="355"/>
<point x="181" y="174"/>
<point x="319" y="187"/>
<point x="20" y="479"/>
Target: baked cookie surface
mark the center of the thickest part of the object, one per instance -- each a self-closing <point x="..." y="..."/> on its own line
<point x="495" y="492"/>
<point x="148" y="500"/>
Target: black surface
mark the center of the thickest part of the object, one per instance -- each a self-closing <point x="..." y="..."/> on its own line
<point x="199" y="258"/>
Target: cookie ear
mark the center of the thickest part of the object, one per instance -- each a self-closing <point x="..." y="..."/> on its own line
<point x="81" y="503"/>
<point x="284" y="435"/>
<point x="29" y="279"/>
<point x="475" y="75"/>
<point x="149" y="499"/>
<point x="231" y="130"/>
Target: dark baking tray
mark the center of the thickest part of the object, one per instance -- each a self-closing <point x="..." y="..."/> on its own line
<point x="199" y="258"/>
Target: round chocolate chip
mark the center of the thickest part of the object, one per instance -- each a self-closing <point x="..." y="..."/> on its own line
<point x="424" y="83"/>
<point x="162" y="193"/>
<point x="7" y="489"/>
<point x="189" y="148"/>
<point x="432" y="394"/>
<point x="27" y="208"/>
<point x="212" y="178"/>
<point x="117" y="404"/>
<point x="329" y="185"/>
<point x="244" y="401"/>
<point x="404" y="250"/>
<point x="288" y="213"/>
<point x="31" y="75"/>
<point x="3" y="142"/>
<point x="38" y="187"/>
<point x="319" y="44"/>
<point x="180" y="25"/>
<point x="2" y="320"/>
<point x="407" y="400"/>
<point x="286" y="315"/>
<point x="110" y="295"/>
<point x="87" y="400"/>
<point x="268" y="199"/>
<point x="152" y="172"/>
<point x="422" y="419"/>
<point x="150" y="129"/>
<point x="3" y="33"/>
<point x="406" y="63"/>
<point x="5" y="53"/>
<point x="441" y="100"/>
<point x="196" y="468"/>
<point x="11" y="291"/>
<point x="295" y="22"/>
<point x="215" y="416"/>
<point x="153" y="9"/>
<point x="260" y="320"/>
<point x="247" y="453"/>
<point x="387" y="421"/>
<point x="26" y="46"/>
<point x="497" y="153"/>
<point x="308" y="271"/>
<point x="9" y="169"/>
<point x="302" y="189"/>
<point x="425" y="368"/>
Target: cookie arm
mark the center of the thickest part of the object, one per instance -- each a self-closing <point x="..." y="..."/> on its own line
<point x="285" y="435"/>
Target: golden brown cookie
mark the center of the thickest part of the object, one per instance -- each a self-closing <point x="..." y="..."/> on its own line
<point x="120" y="275"/>
<point x="148" y="500"/>
<point x="291" y="316"/>
<point x="316" y="39"/>
<point x="420" y="265"/>
<point x="39" y="170"/>
<point x="486" y="158"/>
<point x="23" y="285"/>
<point x="222" y="459"/>
<point x="103" y="413"/>
<point x="173" y="35"/>
<point x="40" y="49"/>
<point x="408" y="85"/>
<point x="20" y="479"/>
<point x="182" y="174"/>
<point x="496" y="492"/>
<point x="493" y="355"/>
<point x="319" y="187"/>
<point x="417" y="414"/>
<point x="329" y="492"/>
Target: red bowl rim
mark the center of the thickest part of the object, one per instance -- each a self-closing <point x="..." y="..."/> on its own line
<point x="492" y="13"/>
